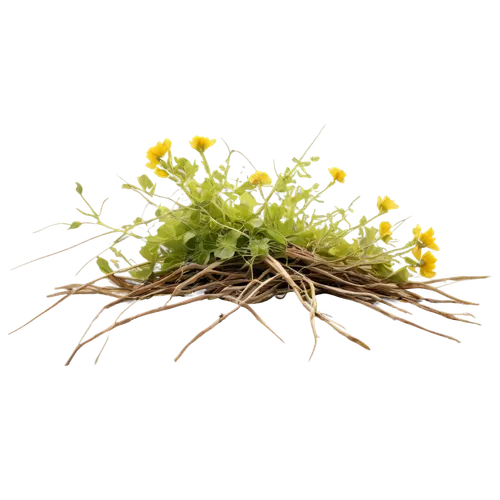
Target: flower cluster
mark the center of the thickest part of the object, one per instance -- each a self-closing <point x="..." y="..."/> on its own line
<point x="155" y="154"/>
<point x="289" y="218"/>
<point x="428" y="260"/>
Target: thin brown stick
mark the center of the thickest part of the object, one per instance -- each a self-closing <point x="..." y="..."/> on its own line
<point x="300" y="272"/>
<point x="76" y="290"/>
<point x="220" y="319"/>
<point x="322" y="317"/>
<point x="56" y="253"/>
<point x="140" y="315"/>
<point x="197" y="276"/>
<point x="397" y="318"/>
<point x="39" y="315"/>
<point x="257" y="317"/>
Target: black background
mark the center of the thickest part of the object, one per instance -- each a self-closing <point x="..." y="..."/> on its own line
<point x="430" y="166"/>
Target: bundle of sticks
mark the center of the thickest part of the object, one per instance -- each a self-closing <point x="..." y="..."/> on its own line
<point x="235" y="280"/>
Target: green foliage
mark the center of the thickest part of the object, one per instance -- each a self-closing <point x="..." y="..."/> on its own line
<point x="259" y="247"/>
<point x="104" y="265"/>
<point x="218" y="217"/>
<point x="145" y="182"/>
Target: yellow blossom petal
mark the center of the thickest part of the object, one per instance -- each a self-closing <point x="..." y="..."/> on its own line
<point x="426" y="237"/>
<point x="429" y="238"/>
<point x="417" y="253"/>
<point x="260" y="178"/>
<point x="337" y="174"/>
<point x="428" y="266"/>
<point x="386" y="204"/>
<point x="156" y="152"/>
<point x="201" y="144"/>
<point x="161" y="174"/>
<point x="385" y="229"/>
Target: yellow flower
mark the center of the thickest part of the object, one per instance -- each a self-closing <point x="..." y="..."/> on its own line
<point x="415" y="230"/>
<point x="201" y="144"/>
<point x="386" y="204"/>
<point x="428" y="266"/>
<point x="426" y="236"/>
<point x="159" y="172"/>
<point x="260" y="178"/>
<point x="417" y="253"/>
<point x="337" y="174"/>
<point x="156" y="152"/>
<point x="385" y="229"/>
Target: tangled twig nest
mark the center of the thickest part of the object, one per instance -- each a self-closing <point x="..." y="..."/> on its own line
<point x="300" y="272"/>
<point x="247" y="242"/>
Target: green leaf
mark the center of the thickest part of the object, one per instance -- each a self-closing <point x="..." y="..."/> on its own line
<point x="175" y="244"/>
<point x="248" y="199"/>
<point x="161" y="211"/>
<point x="273" y="213"/>
<point x="363" y="221"/>
<point x="400" y="276"/>
<point x="104" y="265"/>
<point x="383" y="270"/>
<point x="275" y="235"/>
<point x="188" y="236"/>
<point x="287" y="227"/>
<point x="138" y="220"/>
<point x="173" y="261"/>
<point x="217" y="175"/>
<point x="410" y="261"/>
<point x="143" y="272"/>
<point x="75" y="225"/>
<point x="150" y="250"/>
<point x="194" y="216"/>
<point x="203" y="258"/>
<point x="224" y="253"/>
<point x="79" y="189"/>
<point x="169" y="229"/>
<point x="259" y="246"/>
<point x="127" y="186"/>
<point x="373" y="250"/>
<point x="370" y="236"/>
<point x="257" y="222"/>
<point x="314" y="159"/>
<point x="231" y="210"/>
<point x="229" y="238"/>
<point x="341" y="249"/>
<point x="246" y="186"/>
<point x="145" y="182"/>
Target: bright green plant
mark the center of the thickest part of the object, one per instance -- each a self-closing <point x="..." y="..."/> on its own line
<point x="255" y="217"/>
<point x="249" y="240"/>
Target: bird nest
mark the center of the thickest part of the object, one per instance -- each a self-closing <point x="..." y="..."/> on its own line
<point x="224" y="243"/>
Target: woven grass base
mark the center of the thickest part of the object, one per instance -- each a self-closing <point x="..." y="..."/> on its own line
<point x="299" y="272"/>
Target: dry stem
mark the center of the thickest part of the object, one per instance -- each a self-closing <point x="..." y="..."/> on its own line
<point x="299" y="272"/>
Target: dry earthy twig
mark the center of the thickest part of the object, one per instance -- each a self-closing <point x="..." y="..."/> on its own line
<point x="299" y="272"/>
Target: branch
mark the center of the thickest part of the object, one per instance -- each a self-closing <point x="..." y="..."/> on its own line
<point x="204" y="331"/>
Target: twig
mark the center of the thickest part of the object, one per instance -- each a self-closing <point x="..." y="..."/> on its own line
<point x="313" y="141"/>
<point x="397" y="318"/>
<point x="220" y="319"/>
<point x="322" y="317"/>
<point x="140" y="315"/>
<point x="56" y="253"/>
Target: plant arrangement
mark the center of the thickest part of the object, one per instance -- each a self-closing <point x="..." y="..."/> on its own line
<point x="246" y="241"/>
